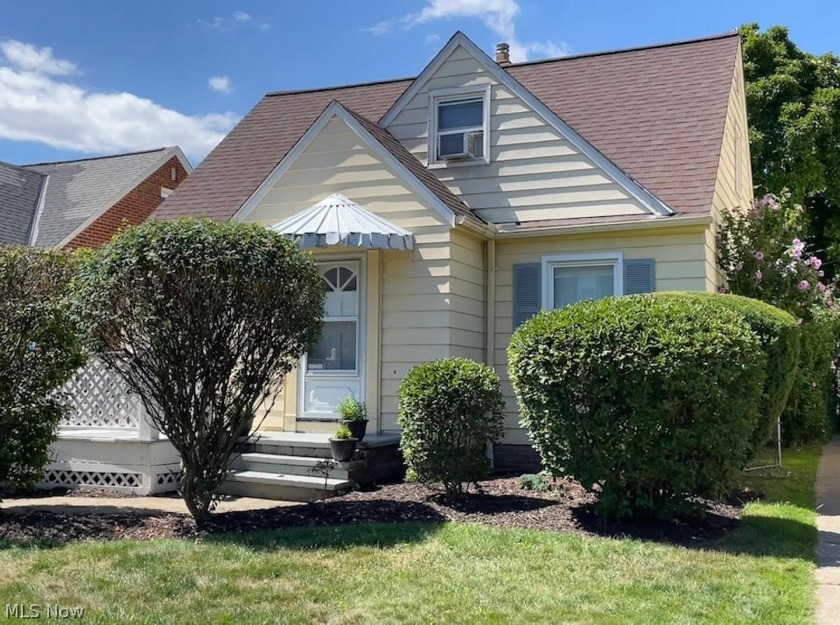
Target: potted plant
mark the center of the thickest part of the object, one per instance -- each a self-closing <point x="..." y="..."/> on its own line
<point x="342" y="444"/>
<point x="353" y="414"/>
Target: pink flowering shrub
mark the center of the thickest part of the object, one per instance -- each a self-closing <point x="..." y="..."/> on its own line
<point x="763" y="257"/>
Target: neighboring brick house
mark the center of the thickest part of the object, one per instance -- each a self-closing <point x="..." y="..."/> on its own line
<point x="82" y="203"/>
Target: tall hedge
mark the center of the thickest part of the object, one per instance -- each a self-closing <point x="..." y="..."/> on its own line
<point x="779" y="334"/>
<point x="810" y="412"/>
<point x="39" y="351"/>
<point x="449" y="410"/>
<point x="648" y="401"/>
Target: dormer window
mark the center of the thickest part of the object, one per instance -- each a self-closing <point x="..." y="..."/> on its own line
<point x="459" y="127"/>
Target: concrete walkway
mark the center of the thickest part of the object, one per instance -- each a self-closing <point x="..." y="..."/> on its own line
<point x="151" y="505"/>
<point x="828" y="525"/>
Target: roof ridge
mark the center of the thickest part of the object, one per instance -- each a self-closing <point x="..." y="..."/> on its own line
<point x="21" y="168"/>
<point x="655" y="46"/>
<point x="371" y="83"/>
<point x="386" y="81"/>
<point x="97" y="158"/>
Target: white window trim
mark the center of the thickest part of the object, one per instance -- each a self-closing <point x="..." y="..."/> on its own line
<point x="449" y="95"/>
<point x="616" y="259"/>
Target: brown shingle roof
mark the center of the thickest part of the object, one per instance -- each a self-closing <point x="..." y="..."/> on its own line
<point x="405" y="157"/>
<point x="658" y="113"/>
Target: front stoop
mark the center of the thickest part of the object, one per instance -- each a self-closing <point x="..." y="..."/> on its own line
<point x="283" y="466"/>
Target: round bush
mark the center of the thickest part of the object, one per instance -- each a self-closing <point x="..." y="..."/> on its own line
<point x="449" y="410"/>
<point x="780" y="339"/>
<point x="649" y="401"/>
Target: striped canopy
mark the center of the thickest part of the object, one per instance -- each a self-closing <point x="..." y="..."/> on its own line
<point x="335" y="220"/>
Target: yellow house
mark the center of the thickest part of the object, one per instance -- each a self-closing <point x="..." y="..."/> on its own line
<point x="445" y="209"/>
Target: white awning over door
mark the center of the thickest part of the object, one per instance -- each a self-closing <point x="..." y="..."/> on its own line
<point x="336" y="220"/>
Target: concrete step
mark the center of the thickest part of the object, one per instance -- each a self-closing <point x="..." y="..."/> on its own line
<point x="248" y="483"/>
<point x="311" y="445"/>
<point x="291" y="465"/>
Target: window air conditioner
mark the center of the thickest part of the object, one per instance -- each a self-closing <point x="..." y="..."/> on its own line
<point x="461" y="146"/>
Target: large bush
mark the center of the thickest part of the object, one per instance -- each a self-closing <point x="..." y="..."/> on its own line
<point x="648" y="401"/>
<point x="763" y="257"/>
<point x="203" y="318"/>
<point x="449" y="410"/>
<point x="810" y="412"/>
<point x="39" y="351"/>
<point x="779" y="334"/>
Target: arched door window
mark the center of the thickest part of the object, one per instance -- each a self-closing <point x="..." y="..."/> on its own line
<point x="338" y="348"/>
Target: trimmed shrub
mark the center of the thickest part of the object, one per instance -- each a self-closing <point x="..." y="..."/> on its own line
<point x="780" y="339"/>
<point x="649" y="401"/>
<point x="810" y="412"/>
<point x="39" y="351"/>
<point x="203" y="319"/>
<point x="449" y="410"/>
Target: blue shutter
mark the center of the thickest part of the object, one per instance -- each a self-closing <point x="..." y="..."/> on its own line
<point x="639" y="276"/>
<point x="527" y="296"/>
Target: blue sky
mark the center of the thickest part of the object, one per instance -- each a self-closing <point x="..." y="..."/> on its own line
<point x="88" y="77"/>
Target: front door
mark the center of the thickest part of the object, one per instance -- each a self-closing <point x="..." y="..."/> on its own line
<point x="333" y="368"/>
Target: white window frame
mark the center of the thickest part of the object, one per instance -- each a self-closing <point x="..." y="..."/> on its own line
<point x="453" y="95"/>
<point x="360" y="261"/>
<point x="616" y="259"/>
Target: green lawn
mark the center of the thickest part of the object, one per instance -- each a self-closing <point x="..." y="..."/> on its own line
<point x="452" y="573"/>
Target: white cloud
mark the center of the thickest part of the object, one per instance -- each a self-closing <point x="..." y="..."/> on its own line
<point x="431" y="40"/>
<point x="497" y="15"/>
<point x="220" y="84"/>
<point x="38" y="106"/>
<point x="380" y="28"/>
<point x="236" y="20"/>
<point x="27" y="57"/>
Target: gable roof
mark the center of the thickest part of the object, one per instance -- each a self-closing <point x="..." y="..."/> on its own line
<point x="79" y="191"/>
<point x="20" y="192"/>
<point x="656" y="113"/>
<point x="388" y="149"/>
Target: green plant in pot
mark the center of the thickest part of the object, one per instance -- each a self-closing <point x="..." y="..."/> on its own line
<point x="353" y="414"/>
<point x="343" y="444"/>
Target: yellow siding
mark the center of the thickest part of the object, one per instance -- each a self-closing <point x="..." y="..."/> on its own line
<point x="534" y="173"/>
<point x="680" y="265"/>
<point x="735" y="155"/>
<point x="411" y="314"/>
<point x="468" y="296"/>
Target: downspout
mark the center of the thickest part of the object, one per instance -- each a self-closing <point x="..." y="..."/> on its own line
<point x="490" y="305"/>
<point x="490" y="320"/>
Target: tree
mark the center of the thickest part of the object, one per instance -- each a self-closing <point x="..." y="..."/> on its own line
<point x="203" y="319"/>
<point x="793" y="105"/>
<point x="39" y="351"/>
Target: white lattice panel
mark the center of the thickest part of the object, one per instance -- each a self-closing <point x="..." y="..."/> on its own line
<point x="99" y="397"/>
<point x="100" y="479"/>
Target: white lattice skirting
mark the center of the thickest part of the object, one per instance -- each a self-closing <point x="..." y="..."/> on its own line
<point x="123" y="465"/>
<point x="122" y="482"/>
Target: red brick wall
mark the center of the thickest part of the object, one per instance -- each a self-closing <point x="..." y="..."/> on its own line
<point x="133" y="209"/>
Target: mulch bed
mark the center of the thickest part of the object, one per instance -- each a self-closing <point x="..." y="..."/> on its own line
<point x="500" y="502"/>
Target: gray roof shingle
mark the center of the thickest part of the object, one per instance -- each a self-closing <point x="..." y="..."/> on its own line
<point x="77" y="190"/>
<point x="20" y="190"/>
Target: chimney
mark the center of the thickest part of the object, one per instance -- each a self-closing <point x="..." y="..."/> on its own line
<point x="503" y="54"/>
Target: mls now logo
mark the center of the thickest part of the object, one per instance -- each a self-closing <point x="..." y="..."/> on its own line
<point x="35" y="611"/>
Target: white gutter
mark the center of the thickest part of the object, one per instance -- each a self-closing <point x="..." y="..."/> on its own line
<point x="648" y="224"/>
